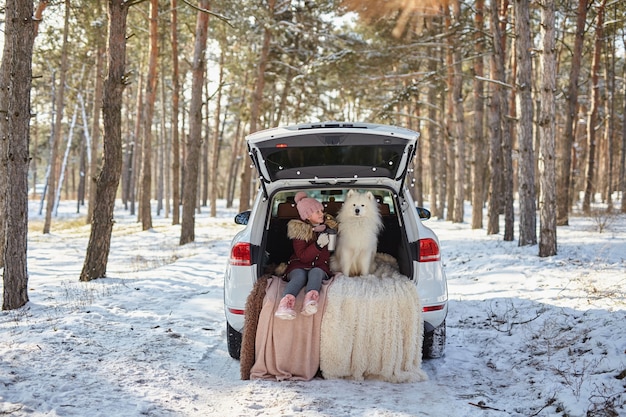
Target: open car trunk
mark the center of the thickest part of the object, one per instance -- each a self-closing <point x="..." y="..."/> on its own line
<point x="278" y="247"/>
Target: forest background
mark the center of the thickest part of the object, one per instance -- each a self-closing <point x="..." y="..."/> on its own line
<point x="148" y="101"/>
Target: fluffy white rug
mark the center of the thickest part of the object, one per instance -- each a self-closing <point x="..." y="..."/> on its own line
<point x="372" y="327"/>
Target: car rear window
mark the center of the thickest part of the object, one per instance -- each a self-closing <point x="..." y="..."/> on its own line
<point x="285" y="162"/>
<point x="284" y="206"/>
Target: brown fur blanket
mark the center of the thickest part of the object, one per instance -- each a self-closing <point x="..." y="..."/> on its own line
<point x="254" y="304"/>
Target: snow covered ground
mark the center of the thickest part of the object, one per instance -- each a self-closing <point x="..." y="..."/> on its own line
<point x="527" y="336"/>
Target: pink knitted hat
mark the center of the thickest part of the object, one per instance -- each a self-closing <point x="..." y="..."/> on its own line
<point x="306" y="205"/>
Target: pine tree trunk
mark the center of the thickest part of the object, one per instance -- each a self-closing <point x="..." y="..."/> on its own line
<point x="98" y="248"/>
<point x="66" y="155"/>
<point x="622" y="164"/>
<point x="134" y="157"/>
<point x="418" y="174"/>
<point x="148" y="114"/>
<point x="175" y="113"/>
<point x="81" y="181"/>
<point x="459" y="160"/>
<point x="206" y="150"/>
<point x="592" y="118"/>
<point x="547" y="134"/>
<point x="609" y="132"/>
<point x="443" y="156"/>
<point x="194" y="143"/>
<point x="564" y="145"/>
<point x="95" y="123"/>
<point x="5" y="79"/>
<point x="507" y="102"/>
<point x="237" y="153"/>
<point x="526" y="173"/>
<point x="58" y="125"/>
<point x="434" y="156"/>
<point x="15" y="80"/>
<point x="160" y="149"/>
<point x="479" y="144"/>
<point x="495" y="124"/>
<point x="215" y="144"/>
<point x="450" y="136"/>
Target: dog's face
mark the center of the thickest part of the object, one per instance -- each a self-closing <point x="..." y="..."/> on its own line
<point x="359" y="205"/>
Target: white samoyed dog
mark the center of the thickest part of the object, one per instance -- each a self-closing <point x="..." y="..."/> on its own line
<point x="359" y="224"/>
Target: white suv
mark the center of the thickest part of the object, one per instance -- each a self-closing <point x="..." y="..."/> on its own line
<point x="326" y="160"/>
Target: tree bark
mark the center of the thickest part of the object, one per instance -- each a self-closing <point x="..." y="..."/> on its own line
<point x="443" y="155"/>
<point x="592" y="118"/>
<point x="479" y="143"/>
<point x="164" y="152"/>
<point x="609" y="150"/>
<point x="622" y="165"/>
<point x="434" y="156"/>
<point x="203" y="187"/>
<point x="237" y="154"/>
<point x="526" y="176"/>
<point x="160" y="149"/>
<point x="15" y="83"/>
<point x="564" y="145"/>
<point x="459" y="156"/>
<point x="134" y="157"/>
<point x="175" y="114"/>
<point x="215" y="145"/>
<point x="5" y="79"/>
<point x="495" y="124"/>
<point x="98" y="248"/>
<point x="450" y="113"/>
<point x="148" y="114"/>
<point x="194" y="143"/>
<point x="458" y="123"/>
<point x="508" y="109"/>
<point x="418" y="172"/>
<point x="58" y="125"/>
<point x="94" y="164"/>
<point x="547" y="134"/>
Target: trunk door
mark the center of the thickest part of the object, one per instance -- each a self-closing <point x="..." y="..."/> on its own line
<point x="332" y="152"/>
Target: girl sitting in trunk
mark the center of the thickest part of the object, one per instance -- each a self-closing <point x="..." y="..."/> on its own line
<point x="309" y="264"/>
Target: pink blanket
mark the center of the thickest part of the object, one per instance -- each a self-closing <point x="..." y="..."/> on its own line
<point x="287" y="349"/>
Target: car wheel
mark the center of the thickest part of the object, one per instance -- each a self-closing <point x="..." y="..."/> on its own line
<point x="233" y="339"/>
<point x="434" y="342"/>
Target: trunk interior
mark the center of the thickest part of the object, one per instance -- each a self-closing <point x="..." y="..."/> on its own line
<point x="391" y="240"/>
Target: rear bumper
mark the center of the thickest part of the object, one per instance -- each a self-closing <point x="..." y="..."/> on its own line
<point x="235" y="316"/>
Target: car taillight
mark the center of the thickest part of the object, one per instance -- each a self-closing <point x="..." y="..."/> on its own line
<point x="240" y="255"/>
<point x="429" y="251"/>
<point x="433" y="308"/>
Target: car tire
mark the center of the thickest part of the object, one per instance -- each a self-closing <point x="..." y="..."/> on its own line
<point x="434" y="342"/>
<point x="233" y="340"/>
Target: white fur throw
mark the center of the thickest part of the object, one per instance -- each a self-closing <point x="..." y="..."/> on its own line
<point x="372" y="327"/>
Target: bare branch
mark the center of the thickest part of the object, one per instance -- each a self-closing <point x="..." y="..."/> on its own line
<point x="200" y="9"/>
<point x="38" y="15"/>
<point x="134" y="2"/>
<point x="489" y="80"/>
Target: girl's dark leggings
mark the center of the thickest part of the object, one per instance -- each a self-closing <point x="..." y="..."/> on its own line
<point x="298" y="278"/>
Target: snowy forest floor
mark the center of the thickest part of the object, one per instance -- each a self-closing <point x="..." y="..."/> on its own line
<point x="527" y="336"/>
